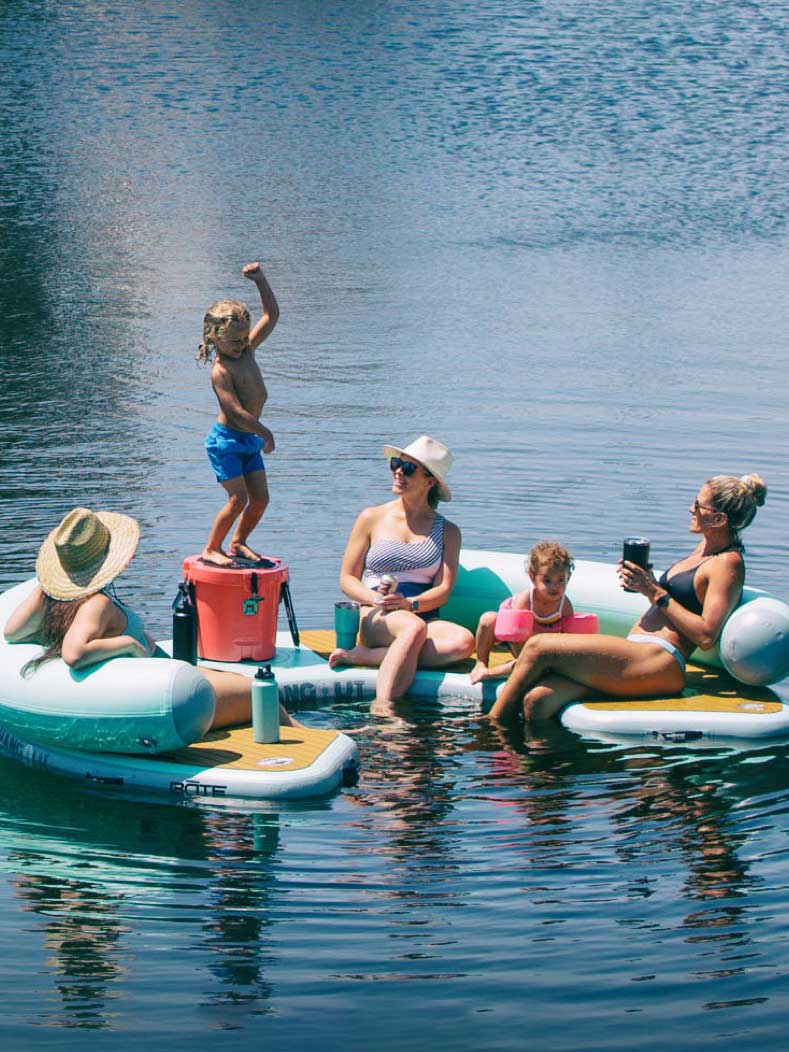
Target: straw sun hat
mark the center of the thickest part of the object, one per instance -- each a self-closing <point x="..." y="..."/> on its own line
<point x="432" y="455"/>
<point x="85" y="552"/>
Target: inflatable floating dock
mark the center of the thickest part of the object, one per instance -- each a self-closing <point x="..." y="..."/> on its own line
<point x="726" y="695"/>
<point x="143" y="722"/>
<point x="713" y="705"/>
<point x="306" y="762"/>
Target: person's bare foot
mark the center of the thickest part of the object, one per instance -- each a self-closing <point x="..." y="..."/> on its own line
<point x="340" y="657"/>
<point x="387" y="709"/>
<point x="240" y="550"/>
<point x="216" y="557"/>
<point x="384" y="708"/>
<point x="480" y="672"/>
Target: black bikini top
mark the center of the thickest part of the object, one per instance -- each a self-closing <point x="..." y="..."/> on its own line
<point x="682" y="585"/>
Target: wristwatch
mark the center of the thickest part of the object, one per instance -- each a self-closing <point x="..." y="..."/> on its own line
<point x="414" y="606"/>
<point x="663" y="601"/>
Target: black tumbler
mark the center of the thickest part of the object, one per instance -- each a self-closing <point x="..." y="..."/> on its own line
<point x="635" y="550"/>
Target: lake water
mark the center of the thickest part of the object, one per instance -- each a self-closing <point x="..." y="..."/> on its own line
<point x="552" y="234"/>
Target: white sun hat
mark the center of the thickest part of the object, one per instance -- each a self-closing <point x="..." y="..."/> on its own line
<point x="432" y="455"/>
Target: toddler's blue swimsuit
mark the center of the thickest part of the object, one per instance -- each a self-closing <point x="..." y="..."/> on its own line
<point x="233" y="453"/>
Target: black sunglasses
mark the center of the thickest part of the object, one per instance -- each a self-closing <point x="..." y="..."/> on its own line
<point x="697" y="507"/>
<point x="408" y="467"/>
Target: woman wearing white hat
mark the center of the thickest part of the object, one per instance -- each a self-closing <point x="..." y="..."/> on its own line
<point x="72" y="616"/>
<point x="408" y="539"/>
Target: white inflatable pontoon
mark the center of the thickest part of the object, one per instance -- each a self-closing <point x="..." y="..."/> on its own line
<point x="155" y="711"/>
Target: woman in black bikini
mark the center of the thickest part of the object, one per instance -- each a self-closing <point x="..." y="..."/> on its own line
<point x="689" y="607"/>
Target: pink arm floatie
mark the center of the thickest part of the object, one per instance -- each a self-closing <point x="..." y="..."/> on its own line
<point x="580" y="623"/>
<point x="515" y="626"/>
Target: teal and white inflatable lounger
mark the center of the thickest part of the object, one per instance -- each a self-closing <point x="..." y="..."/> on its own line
<point x="143" y="723"/>
<point x="306" y="762"/>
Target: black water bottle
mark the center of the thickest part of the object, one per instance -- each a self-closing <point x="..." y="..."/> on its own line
<point x="185" y="624"/>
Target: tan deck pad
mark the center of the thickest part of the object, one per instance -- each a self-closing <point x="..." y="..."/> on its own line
<point x="322" y="641"/>
<point x="235" y="748"/>
<point x="707" y="690"/>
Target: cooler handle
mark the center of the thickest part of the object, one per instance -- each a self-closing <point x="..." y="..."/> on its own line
<point x="286" y="599"/>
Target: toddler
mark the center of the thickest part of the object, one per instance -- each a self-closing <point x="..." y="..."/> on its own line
<point x="235" y="441"/>
<point x="549" y="566"/>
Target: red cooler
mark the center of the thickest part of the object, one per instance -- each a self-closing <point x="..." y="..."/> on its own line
<point x="236" y="608"/>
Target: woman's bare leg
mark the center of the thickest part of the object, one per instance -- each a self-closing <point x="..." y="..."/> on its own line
<point x="368" y="657"/>
<point x="604" y="663"/>
<point x="548" y="697"/>
<point x="400" y="641"/>
<point x="446" y="643"/>
<point x="391" y="642"/>
<point x="372" y="650"/>
<point x="398" y="667"/>
<point x="234" y="700"/>
<point x="420" y="644"/>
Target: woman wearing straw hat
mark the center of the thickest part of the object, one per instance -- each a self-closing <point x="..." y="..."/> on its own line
<point x="407" y="538"/>
<point x="72" y="616"/>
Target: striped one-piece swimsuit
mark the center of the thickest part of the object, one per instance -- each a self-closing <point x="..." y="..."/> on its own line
<point x="415" y="564"/>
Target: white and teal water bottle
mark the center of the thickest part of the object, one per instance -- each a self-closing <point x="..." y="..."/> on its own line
<point x="265" y="706"/>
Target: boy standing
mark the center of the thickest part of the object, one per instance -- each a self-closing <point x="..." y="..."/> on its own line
<point x="235" y="442"/>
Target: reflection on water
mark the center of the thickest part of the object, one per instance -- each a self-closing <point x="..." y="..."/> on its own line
<point x="117" y="864"/>
<point x="82" y="939"/>
<point x="609" y="865"/>
<point x="238" y="916"/>
<point x="552" y="234"/>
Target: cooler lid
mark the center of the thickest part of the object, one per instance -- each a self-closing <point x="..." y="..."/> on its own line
<point x="270" y="571"/>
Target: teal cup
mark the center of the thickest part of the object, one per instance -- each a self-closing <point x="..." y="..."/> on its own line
<point x="346" y="624"/>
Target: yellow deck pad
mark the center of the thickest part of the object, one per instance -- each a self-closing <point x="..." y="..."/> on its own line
<point x="235" y="748"/>
<point x="707" y="690"/>
<point x="321" y="640"/>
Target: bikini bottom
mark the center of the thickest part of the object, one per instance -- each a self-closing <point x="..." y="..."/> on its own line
<point x="676" y="653"/>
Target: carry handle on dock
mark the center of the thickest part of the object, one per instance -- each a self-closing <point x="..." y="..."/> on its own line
<point x="286" y="599"/>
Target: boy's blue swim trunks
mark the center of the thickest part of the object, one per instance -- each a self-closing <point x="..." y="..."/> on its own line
<point x="233" y="453"/>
